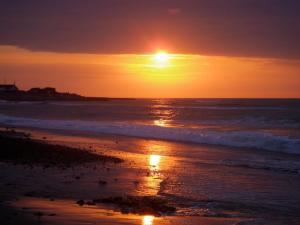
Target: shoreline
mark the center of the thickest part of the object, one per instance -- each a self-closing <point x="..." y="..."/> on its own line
<point x="92" y="135"/>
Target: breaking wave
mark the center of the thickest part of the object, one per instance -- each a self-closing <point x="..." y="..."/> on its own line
<point x="243" y="139"/>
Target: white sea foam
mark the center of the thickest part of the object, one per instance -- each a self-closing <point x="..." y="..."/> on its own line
<point x="244" y="139"/>
<point x="249" y="122"/>
<point x="9" y="103"/>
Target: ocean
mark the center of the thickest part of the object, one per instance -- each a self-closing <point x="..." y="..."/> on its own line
<point x="264" y="124"/>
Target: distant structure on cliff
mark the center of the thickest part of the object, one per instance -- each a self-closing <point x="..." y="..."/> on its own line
<point x="10" y="92"/>
<point x="43" y="91"/>
<point x="8" y="88"/>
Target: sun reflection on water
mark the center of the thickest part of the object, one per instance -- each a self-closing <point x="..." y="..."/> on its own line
<point x="148" y="220"/>
<point x="154" y="161"/>
<point x="160" y="122"/>
<point x="162" y="112"/>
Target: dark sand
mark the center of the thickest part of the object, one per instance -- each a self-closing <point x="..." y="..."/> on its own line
<point x="19" y="148"/>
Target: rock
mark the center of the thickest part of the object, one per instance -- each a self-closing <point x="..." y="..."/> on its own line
<point x="102" y="182"/>
<point x="29" y="194"/>
<point x="90" y="203"/>
<point x="80" y="202"/>
<point x="39" y="214"/>
<point x="151" y="205"/>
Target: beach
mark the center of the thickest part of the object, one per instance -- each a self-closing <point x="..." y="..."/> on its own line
<point x="151" y="168"/>
<point x="76" y="163"/>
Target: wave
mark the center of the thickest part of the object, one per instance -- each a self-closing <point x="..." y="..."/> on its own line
<point x="4" y="102"/>
<point x="222" y="107"/>
<point x="249" y="122"/>
<point x="282" y="166"/>
<point x="243" y="139"/>
<point x="157" y="105"/>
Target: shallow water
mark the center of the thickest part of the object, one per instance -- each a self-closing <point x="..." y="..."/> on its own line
<point x="66" y="212"/>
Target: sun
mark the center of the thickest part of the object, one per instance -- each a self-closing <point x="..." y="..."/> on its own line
<point x="161" y="57"/>
<point x="148" y="220"/>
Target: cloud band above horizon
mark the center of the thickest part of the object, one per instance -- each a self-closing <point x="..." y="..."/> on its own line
<point x="249" y="28"/>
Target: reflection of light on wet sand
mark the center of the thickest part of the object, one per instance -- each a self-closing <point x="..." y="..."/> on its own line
<point x="150" y="184"/>
<point x="148" y="220"/>
<point x="154" y="161"/>
<point x="71" y="213"/>
<point x="160" y="122"/>
<point x="157" y="163"/>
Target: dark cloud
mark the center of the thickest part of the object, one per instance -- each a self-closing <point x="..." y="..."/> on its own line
<point x="265" y="28"/>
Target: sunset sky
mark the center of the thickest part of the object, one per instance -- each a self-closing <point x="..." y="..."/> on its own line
<point x="216" y="48"/>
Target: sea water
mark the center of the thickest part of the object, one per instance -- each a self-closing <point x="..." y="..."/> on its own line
<point x="264" y="124"/>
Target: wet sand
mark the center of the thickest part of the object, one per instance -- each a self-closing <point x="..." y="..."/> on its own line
<point x="49" y="195"/>
<point x="66" y="212"/>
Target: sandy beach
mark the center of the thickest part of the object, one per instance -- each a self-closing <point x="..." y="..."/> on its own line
<point x="56" y="194"/>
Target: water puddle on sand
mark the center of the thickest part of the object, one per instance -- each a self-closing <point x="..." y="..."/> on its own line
<point x="67" y="212"/>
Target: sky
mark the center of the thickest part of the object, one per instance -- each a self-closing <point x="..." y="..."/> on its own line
<point x="215" y="49"/>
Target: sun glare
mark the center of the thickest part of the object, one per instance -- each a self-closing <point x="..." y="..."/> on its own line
<point x="148" y="220"/>
<point x="161" y="58"/>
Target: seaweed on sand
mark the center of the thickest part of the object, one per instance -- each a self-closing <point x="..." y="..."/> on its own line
<point x="150" y="205"/>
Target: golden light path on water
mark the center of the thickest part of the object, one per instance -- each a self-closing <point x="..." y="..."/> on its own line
<point x="163" y="113"/>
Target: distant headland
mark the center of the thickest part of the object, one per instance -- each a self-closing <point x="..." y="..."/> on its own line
<point x="10" y="92"/>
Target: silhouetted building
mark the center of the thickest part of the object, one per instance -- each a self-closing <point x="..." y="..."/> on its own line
<point x="8" y="88"/>
<point x="43" y="91"/>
